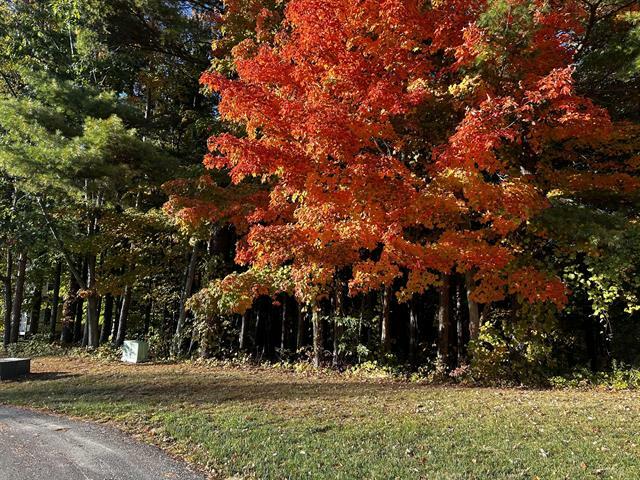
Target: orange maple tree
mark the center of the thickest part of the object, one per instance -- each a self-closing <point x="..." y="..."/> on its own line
<point x="399" y="141"/>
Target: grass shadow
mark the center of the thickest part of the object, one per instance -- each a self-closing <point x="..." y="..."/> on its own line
<point x="39" y="376"/>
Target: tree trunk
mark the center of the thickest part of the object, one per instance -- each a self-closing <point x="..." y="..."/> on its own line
<point x="47" y="316"/>
<point x="318" y="336"/>
<point x="267" y="344"/>
<point x="36" y="308"/>
<point x="300" y="334"/>
<point x="124" y="314"/>
<point x="8" y="297"/>
<point x="444" y="323"/>
<point x="338" y="328"/>
<point x="16" y="308"/>
<point x="55" y="302"/>
<point x="93" y="329"/>
<point x="78" y="329"/>
<point x="474" y="313"/>
<point x="85" y="334"/>
<point x="337" y="336"/>
<point x="69" y="311"/>
<point x="257" y="326"/>
<point x="385" y="339"/>
<point x="99" y="310"/>
<point x="244" y="326"/>
<point x="78" y="326"/>
<point x="283" y="325"/>
<point x="107" y="324"/>
<point x="461" y="353"/>
<point x="413" y="328"/>
<point x="186" y="292"/>
<point x="206" y="342"/>
<point x="116" y="315"/>
<point x="365" y="301"/>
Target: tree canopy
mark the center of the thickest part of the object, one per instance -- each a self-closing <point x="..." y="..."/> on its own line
<point x="451" y="181"/>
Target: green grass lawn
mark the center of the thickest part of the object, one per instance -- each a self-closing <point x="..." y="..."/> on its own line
<point x="263" y="423"/>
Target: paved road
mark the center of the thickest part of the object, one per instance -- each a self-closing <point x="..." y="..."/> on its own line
<point x="35" y="446"/>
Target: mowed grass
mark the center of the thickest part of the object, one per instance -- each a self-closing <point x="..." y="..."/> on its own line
<point x="269" y="423"/>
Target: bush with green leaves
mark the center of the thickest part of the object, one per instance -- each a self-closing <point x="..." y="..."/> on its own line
<point x="620" y="377"/>
<point x="517" y="346"/>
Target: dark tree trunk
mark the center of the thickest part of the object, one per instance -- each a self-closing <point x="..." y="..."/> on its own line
<point x="267" y="344"/>
<point x="16" y="307"/>
<point x="93" y="329"/>
<point x="69" y="307"/>
<point x="85" y="334"/>
<point x="107" y="324"/>
<point x="186" y="292"/>
<point x="461" y="351"/>
<point x="206" y="343"/>
<point x="116" y="316"/>
<point x="55" y="302"/>
<point x="124" y="315"/>
<point x="36" y="308"/>
<point x="365" y="303"/>
<point x="300" y="334"/>
<point x="414" y="307"/>
<point x="338" y="310"/>
<point x="99" y="310"/>
<point x="244" y="328"/>
<point x="93" y="326"/>
<point x="222" y="243"/>
<point x="257" y="327"/>
<point x="284" y="323"/>
<point x="444" y="323"/>
<point x="337" y="336"/>
<point x="78" y="326"/>
<point x="318" y="336"/>
<point x="385" y="339"/>
<point x="78" y="329"/>
<point x="8" y="297"/>
<point x="47" y="316"/>
<point x="474" y="313"/>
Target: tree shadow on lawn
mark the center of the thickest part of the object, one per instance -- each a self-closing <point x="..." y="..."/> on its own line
<point x="198" y="388"/>
<point x="36" y="376"/>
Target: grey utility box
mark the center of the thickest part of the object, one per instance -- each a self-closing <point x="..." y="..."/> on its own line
<point x="134" y="351"/>
<point x="14" y="367"/>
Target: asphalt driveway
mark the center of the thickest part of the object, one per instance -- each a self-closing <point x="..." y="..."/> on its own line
<point x="36" y="446"/>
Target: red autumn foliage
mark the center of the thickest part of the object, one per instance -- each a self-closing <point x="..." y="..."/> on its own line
<point x="401" y="141"/>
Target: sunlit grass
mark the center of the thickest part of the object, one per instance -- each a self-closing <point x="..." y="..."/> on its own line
<point x="272" y="424"/>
